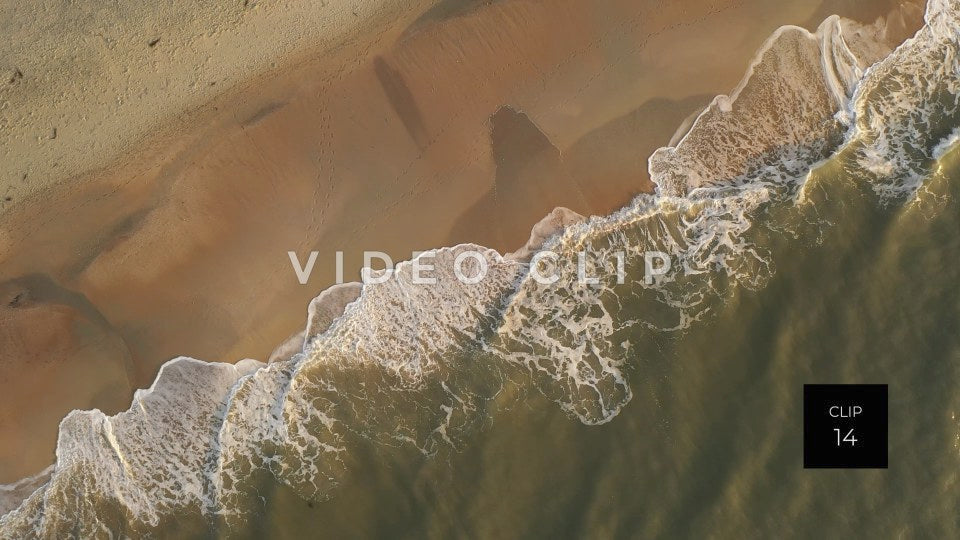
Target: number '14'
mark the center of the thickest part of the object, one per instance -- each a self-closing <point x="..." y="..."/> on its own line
<point x="846" y="438"/>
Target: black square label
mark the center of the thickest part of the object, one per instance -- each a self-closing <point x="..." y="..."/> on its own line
<point x="845" y="426"/>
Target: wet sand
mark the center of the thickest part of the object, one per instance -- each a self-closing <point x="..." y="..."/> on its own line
<point x="432" y="128"/>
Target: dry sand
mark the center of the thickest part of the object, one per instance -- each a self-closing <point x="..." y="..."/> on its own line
<point x="145" y="232"/>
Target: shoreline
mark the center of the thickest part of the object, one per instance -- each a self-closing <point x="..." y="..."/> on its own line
<point x="505" y="165"/>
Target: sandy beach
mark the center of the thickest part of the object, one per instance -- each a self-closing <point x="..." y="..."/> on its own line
<point x="392" y="128"/>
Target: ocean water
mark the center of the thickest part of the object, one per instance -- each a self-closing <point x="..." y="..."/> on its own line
<point x="813" y="224"/>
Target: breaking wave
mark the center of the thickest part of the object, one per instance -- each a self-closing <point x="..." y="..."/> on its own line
<point x="400" y="363"/>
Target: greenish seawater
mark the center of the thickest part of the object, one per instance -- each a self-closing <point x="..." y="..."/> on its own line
<point x="711" y="443"/>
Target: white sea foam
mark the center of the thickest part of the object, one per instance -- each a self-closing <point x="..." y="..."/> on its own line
<point x="946" y="144"/>
<point x="413" y="364"/>
<point x="904" y="103"/>
<point x="11" y="495"/>
<point x="782" y="117"/>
